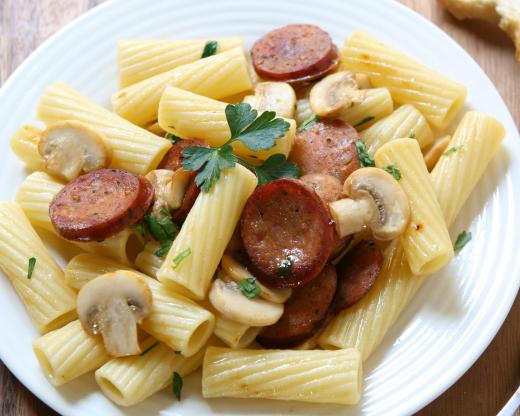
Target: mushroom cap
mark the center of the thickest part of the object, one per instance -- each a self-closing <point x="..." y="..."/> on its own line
<point x="169" y="186"/>
<point x="71" y="148"/>
<point x="390" y="205"/>
<point x="273" y="96"/>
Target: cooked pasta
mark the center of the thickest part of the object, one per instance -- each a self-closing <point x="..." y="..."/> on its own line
<point x="142" y="59"/>
<point x="364" y="325"/>
<point x="215" y="77"/>
<point x="426" y="241"/>
<point x="147" y="261"/>
<point x="24" y="144"/>
<point x="134" y="149"/>
<point x="129" y="380"/>
<point x="193" y="258"/>
<point x="435" y="96"/>
<point x="406" y="121"/>
<point x="311" y="376"/>
<point x="235" y="334"/>
<point x="42" y="289"/>
<point x="69" y="352"/>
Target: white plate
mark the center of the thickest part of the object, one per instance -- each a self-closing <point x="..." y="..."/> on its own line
<point x="453" y="317"/>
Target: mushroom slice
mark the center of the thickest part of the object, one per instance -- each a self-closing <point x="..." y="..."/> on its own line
<point x="238" y="272"/>
<point x="71" y="148"/>
<point x="226" y="297"/>
<point x="375" y="200"/>
<point x="273" y="96"/>
<point x="334" y="93"/>
<point x="170" y="187"/>
<point x="112" y="305"/>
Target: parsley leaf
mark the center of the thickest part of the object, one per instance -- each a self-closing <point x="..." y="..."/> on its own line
<point x="462" y="239"/>
<point x="162" y="229"/>
<point x="275" y="167"/>
<point x="365" y="120"/>
<point x="262" y="132"/>
<point x="141" y="229"/>
<point x="213" y="160"/>
<point x="151" y="347"/>
<point x="249" y="288"/>
<point x="210" y="48"/>
<point x="307" y="123"/>
<point x="393" y="170"/>
<point x="364" y="158"/>
<point x="239" y="117"/>
<point x="172" y="138"/>
<point x="177" y="385"/>
<point x="180" y="257"/>
<point x="32" y="264"/>
<point x="453" y="149"/>
<point x="285" y="267"/>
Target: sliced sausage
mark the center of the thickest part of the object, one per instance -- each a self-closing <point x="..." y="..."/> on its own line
<point x="287" y="233"/>
<point x="100" y="204"/>
<point x="190" y="196"/>
<point x="295" y="53"/>
<point x="357" y="272"/>
<point x="329" y="189"/>
<point x="173" y="158"/>
<point x="328" y="148"/>
<point x="304" y="313"/>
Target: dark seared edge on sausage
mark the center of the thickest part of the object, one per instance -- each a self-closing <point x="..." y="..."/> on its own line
<point x="287" y="233"/>
<point x="190" y="196"/>
<point x="304" y="313"/>
<point x="100" y="204"/>
<point x="357" y="273"/>
<point x="327" y="147"/>
<point x="173" y="159"/>
<point x="295" y="53"/>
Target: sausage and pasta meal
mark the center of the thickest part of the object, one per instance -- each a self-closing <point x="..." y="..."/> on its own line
<point x="264" y="215"/>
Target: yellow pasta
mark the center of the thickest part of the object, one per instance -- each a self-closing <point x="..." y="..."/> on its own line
<point x="197" y="250"/>
<point x="364" y="325"/>
<point x="130" y="380"/>
<point x="142" y="59"/>
<point x="406" y="121"/>
<point x="147" y="261"/>
<point x="24" y="144"/>
<point x="435" y="96"/>
<point x="234" y="334"/>
<point x="311" y="376"/>
<point x="36" y="194"/>
<point x="134" y="149"/>
<point x="426" y="241"/>
<point x="376" y="105"/>
<point x="69" y="352"/>
<point x="189" y="115"/>
<point x="49" y="301"/>
<point x="215" y="77"/>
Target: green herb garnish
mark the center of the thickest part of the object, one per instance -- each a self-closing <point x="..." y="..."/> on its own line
<point x="162" y="229"/>
<point x="411" y="136"/>
<point x="462" y="239"/>
<point x="177" y="385"/>
<point x="141" y="229"/>
<point x="307" y="123"/>
<point x="453" y="149"/>
<point x="210" y="48"/>
<point x="285" y="266"/>
<point x="256" y="133"/>
<point x="249" y="288"/>
<point x="393" y="170"/>
<point x="172" y="137"/>
<point x="32" y="264"/>
<point x="180" y="257"/>
<point x="365" y="120"/>
<point x="364" y="158"/>
<point x="151" y="347"/>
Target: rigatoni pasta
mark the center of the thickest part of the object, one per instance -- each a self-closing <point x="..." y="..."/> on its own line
<point x="24" y="144"/>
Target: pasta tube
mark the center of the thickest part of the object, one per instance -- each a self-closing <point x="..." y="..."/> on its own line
<point x="24" y="144"/>
<point x="147" y="261"/>
<point x="41" y="287"/>
<point x="134" y="149"/>
<point x="234" y="334"/>
<point x="435" y="96"/>
<point x="311" y="376"/>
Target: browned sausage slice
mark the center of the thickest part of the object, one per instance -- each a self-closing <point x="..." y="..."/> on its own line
<point x="303" y="314"/>
<point x="357" y="272"/>
<point x="173" y="158"/>
<point x="190" y="196"/>
<point x="295" y="53"/>
<point x="100" y="204"/>
<point x="287" y="233"/>
<point x="328" y="148"/>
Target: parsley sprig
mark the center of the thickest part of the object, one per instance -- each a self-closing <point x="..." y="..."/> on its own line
<point x="162" y="229"/>
<point x="253" y="131"/>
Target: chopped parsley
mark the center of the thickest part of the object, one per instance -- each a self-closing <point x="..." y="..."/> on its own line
<point x="177" y="385"/>
<point x="210" y="48"/>
<point x="393" y="170"/>
<point x="162" y="229"/>
<point x="285" y="266"/>
<point x="151" y="347"/>
<point x="365" y="120"/>
<point x="453" y="149"/>
<point x="32" y="264"/>
<point x="172" y="138"/>
<point x="462" y="239"/>
<point x="141" y="229"/>
<point x="307" y="123"/>
<point x="253" y="131"/>
<point x="249" y="288"/>
<point x="411" y="136"/>
<point x="180" y="257"/>
<point x="364" y="158"/>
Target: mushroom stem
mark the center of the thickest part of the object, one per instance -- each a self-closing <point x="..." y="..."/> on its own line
<point x="351" y="216"/>
<point x="120" y="331"/>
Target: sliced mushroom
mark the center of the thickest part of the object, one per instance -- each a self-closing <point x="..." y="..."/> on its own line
<point x="71" y="148"/>
<point x="238" y="272"/>
<point x="375" y="200"/>
<point x="112" y="305"/>
<point x="435" y="151"/>
<point x="226" y="297"/>
<point x="170" y="187"/>
<point x="334" y="93"/>
<point x="273" y="96"/>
